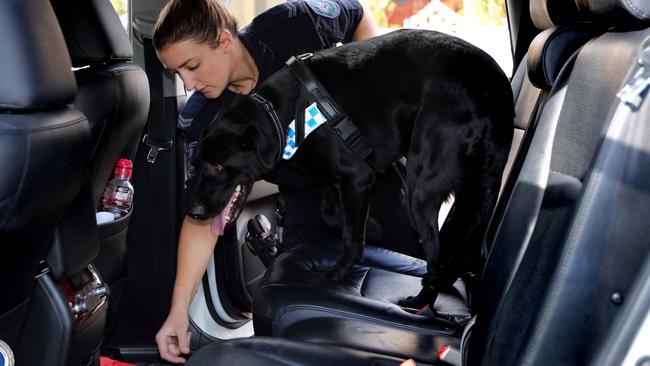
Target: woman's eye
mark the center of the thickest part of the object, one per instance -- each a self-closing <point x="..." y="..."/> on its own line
<point x="193" y="67"/>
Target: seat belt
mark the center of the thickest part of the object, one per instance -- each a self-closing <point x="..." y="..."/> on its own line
<point x="156" y="137"/>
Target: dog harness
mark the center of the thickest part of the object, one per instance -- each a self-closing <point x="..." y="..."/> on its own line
<point x="309" y="117"/>
<point x="312" y="120"/>
<point x="339" y="121"/>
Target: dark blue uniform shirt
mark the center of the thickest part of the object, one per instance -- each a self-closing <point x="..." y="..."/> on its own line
<point x="286" y="30"/>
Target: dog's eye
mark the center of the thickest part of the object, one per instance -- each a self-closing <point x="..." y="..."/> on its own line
<point x="218" y="167"/>
<point x="245" y="145"/>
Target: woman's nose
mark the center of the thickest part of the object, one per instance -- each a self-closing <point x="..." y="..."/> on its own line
<point x="188" y="81"/>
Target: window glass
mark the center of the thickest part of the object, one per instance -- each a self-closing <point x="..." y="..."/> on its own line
<point x="480" y="22"/>
<point x="122" y="9"/>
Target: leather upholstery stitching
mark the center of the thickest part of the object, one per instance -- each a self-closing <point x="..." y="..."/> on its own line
<point x="345" y="315"/>
<point x="635" y="9"/>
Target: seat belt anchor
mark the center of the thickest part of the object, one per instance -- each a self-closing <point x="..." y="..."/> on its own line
<point x="156" y="146"/>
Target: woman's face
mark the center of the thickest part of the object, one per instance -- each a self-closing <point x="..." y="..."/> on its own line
<point x="201" y="67"/>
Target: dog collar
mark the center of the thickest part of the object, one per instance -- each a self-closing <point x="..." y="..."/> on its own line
<point x="274" y="117"/>
<point x="314" y="118"/>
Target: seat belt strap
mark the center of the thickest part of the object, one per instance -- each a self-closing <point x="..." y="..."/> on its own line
<point x="155" y="138"/>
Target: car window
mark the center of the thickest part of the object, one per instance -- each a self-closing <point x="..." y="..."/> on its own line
<point x="480" y="22"/>
<point x="122" y="9"/>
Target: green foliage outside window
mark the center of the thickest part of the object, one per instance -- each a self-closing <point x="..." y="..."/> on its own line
<point x="491" y="12"/>
<point x="120" y="6"/>
<point x="380" y="9"/>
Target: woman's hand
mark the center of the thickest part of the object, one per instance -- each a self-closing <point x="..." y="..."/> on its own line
<point x="173" y="338"/>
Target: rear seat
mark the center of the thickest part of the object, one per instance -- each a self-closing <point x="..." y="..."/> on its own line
<point x="585" y="192"/>
<point x="291" y="291"/>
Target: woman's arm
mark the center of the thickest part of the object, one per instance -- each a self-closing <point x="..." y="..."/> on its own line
<point x="195" y="247"/>
<point x="367" y="27"/>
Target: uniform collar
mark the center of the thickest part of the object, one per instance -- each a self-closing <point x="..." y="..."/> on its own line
<point x="262" y="54"/>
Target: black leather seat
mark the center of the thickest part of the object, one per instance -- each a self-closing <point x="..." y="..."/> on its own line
<point x="292" y="292"/>
<point x="113" y="93"/>
<point x="278" y="352"/>
<point x="582" y="194"/>
<point x="44" y="150"/>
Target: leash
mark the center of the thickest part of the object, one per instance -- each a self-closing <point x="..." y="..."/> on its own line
<point x="338" y="120"/>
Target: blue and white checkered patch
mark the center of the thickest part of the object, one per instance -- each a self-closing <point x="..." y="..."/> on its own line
<point x="313" y="119"/>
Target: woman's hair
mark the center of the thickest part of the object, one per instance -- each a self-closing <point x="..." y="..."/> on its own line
<point x="200" y="20"/>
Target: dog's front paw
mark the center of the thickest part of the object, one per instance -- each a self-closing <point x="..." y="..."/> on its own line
<point x="413" y="302"/>
<point x="427" y="296"/>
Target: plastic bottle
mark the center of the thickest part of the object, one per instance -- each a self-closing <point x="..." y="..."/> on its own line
<point x="118" y="195"/>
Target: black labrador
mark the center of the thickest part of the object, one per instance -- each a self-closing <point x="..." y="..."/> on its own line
<point x="437" y="100"/>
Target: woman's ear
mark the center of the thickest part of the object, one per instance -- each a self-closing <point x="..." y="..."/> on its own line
<point x="225" y="39"/>
<point x="264" y="143"/>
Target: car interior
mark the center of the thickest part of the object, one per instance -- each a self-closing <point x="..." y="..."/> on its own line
<point x="566" y="277"/>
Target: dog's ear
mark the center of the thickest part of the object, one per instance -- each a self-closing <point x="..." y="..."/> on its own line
<point x="265" y="142"/>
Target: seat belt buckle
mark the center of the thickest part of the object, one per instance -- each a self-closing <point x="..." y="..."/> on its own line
<point x="156" y="146"/>
<point x="449" y="355"/>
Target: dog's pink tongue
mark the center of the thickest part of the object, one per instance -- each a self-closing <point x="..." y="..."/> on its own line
<point x="219" y="222"/>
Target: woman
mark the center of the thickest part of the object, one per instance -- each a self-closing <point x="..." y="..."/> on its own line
<point x="198" y="39"/>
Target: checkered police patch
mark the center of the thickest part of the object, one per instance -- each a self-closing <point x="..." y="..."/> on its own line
<point x="313" y="119"/>
<point x="325" y="8"/>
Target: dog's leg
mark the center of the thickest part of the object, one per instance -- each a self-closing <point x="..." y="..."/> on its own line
<point x="430" y="281"/>
<point x="466" y="226"/>
<point x="425" y="200"/>
<point x="355" y="205"/>
<point x="432" y="173"/>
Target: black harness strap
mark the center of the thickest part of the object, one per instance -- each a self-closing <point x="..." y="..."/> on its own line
<point x="301" y="105"/>
<point x="336" y="119"/>
<point x="270" y="111"/>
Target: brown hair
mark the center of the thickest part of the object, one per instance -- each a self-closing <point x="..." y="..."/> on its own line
<point x="200" y="20"/>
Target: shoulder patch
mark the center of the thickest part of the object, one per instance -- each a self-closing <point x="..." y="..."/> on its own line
<point x="325" y="8"/>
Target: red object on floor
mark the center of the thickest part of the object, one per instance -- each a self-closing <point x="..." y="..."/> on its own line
<point x="442" y="352"/>
<point x="105" y="361"/>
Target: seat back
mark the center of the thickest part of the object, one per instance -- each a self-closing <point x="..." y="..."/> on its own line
<point x="560" y="298"/>
<point x="515" y="215"/>
<point x="44" y="149"/>
<point x="112" y="91"/>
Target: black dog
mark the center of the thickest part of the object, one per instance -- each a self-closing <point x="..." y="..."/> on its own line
<point x="440" y="102"/>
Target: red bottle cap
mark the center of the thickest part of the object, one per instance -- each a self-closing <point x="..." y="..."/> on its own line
<point x="124" y="167"/>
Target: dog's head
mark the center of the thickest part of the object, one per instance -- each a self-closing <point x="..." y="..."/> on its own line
<point x="239" y="146"/>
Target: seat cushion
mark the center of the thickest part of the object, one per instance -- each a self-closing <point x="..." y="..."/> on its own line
<point x="278" y="352"/>
<point x="364" y="336"/>
<point x="295" y="289"/>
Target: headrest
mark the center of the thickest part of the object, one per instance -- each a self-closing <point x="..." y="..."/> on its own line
<point x="93" y="32"/>
<point x="625" y="14"/>
<point x="549" y="13"/>
<point x="551" y="49"/>
<point x="35" y="66"/>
